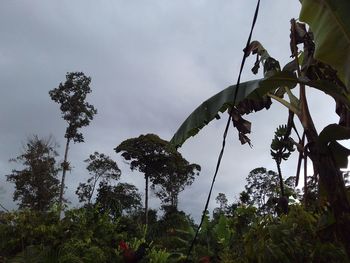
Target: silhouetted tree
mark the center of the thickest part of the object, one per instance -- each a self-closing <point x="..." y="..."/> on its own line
<point x="262" y="187"/>
<point x="101" y="168"/>
<point x="36" y="185"/>
<point x="75" y="111"/>
<point x="221" y="199"/>
<point x="244" y="198"/>
<point x="177" y="173"/>
<point x="147" y="154"/>
<point x="118" y="199"/>
<point x="263" y="191"/>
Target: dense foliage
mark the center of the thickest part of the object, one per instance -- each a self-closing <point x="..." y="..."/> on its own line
<point x="36" y="185"/>
<point x="236" y="232"/>
<point x="118" y="199"/>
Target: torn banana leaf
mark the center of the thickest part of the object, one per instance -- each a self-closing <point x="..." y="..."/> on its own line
<point x="329" y="20"/>
<point x="220" y="102"/>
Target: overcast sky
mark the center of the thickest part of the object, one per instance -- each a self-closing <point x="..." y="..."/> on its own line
<point x="151" y="63"/>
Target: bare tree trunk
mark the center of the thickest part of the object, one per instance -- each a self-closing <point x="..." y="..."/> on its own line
<point x="146" y="200"/>
<point x="93" y="189"/>
<point x="174" y="200"/>
<point x="64" y="170"/>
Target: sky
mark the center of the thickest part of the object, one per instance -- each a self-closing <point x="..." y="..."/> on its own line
<point x="151" y="64"/>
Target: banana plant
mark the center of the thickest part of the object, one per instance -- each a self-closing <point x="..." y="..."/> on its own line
<point x="324" y="64"/>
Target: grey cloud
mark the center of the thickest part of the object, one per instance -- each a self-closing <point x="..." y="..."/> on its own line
<point x="151" y="64"/>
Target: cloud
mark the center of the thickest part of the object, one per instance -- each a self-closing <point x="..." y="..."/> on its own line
<point x="151" y="64"/>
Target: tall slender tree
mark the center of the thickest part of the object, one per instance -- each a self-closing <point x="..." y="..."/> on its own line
<point x="36" y="185"/>
<point x="78" y="113"/>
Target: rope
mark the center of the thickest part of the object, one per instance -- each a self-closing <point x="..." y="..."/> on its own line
<point x="226" y="129"/>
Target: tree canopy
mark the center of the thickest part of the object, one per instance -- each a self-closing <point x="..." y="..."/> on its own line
<point x="101" y="168"/>
<point x="71" y="96"/>
<point x="36" y="185"/>
<point x="118" y="199"/>
<point x="173" y="179"/>
<point x="161" y="164"/>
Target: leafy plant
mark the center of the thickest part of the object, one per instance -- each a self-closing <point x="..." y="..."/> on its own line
<point x="291" y="238"/>
<point x="158" y="255"/>
<point x="326" y="154"/>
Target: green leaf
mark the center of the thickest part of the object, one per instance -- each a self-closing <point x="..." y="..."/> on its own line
<point x="221" y="230"/>
<point x="220" y="102"/>
<point x="328" y="141"/>
<point x="329" y="21"/>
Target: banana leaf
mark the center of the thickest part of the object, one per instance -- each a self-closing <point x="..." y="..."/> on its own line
<point x="220" y="102"/>
<point x="328" y="141"/>
<point x="329" y="21"/>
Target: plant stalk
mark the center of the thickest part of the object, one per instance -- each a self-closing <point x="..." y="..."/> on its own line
<point x="330" y="177"/>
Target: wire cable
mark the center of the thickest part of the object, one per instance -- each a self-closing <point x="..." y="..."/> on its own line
<point x="5" y="209"/>
<point x="226" y="129"/>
